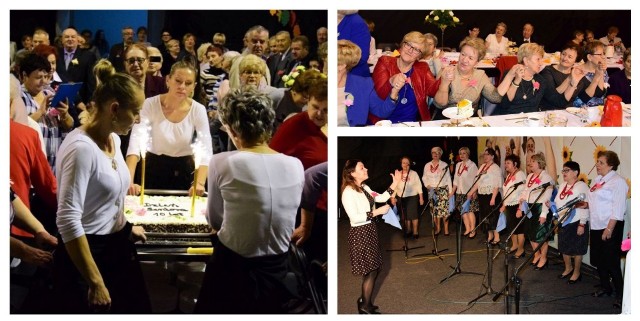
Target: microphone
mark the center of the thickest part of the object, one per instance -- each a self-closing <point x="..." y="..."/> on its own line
<point x="581" y="197"/>
<point x="517" y="184"/>
<point x="543" y="186"/>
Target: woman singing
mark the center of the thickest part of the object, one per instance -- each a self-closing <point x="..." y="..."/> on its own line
<point x="511" y="205"/>
<point x="409" y="192"/>
<point x="539" y="223"/>
<point x="488" y="194"/>
<point x="437" y="180"/>
<point x="463" y="178"/>
<point x="364" y="251"/>
<point x="573" y="238"/>
<point x="607" y="206"/>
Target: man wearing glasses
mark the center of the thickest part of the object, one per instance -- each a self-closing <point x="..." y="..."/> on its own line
<point x="116" y="52"/>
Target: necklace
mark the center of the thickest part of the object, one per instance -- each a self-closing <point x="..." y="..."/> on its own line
<point x="405" y="178"/>
<point x="404" y="94"/>
<point x="510" y="178"/>
<point x="525" y="91"/>
<point x="462" y="168"/>
<point x="533" y="180"/>
<point x="566" y="192"/>
<point x="597" y="186"/>
<point x="434" y="169"/>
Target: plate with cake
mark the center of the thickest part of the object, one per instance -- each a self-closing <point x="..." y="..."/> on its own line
<point x="463" y="110"/>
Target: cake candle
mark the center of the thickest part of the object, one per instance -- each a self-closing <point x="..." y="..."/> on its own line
<point x="197" y="154"/>
<point x="143" y="141"/>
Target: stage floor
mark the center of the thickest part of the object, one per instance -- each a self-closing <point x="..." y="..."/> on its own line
<point x="412" y="286"/>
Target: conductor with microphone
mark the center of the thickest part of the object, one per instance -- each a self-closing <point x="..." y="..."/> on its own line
<point x="538" y="193"/>
<point x="437" y="180"/>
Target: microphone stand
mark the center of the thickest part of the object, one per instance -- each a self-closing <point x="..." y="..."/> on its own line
<point x="507" y="251"/>
<point x="514" y="278"/>
<point x="434" y="251"/>
<point x="403" y="216"/>
<point x="456" y="269"/>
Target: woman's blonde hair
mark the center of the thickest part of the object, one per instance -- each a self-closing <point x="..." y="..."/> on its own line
<point x="253" y="62"/>
<point x="349" y="53"/>
<point x="528" y="50"/>
<point x="102" y="70"/>
<point x="477" y="44"/>
<point x="540" y="159"/>
<point x="416" y="37"/>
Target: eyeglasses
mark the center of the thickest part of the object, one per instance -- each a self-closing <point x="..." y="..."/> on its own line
<point x="411" y="49"/>
<point x="252" y="72"/>
<point x="133" y="60"/>
<point x="597" y="54"/>
<point x="566" y="170"/>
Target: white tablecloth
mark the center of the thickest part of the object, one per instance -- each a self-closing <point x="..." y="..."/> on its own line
<point x="513" y="120"/>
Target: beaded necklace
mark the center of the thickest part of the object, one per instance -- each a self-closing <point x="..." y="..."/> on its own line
<point x="533" y="179"/>
<point x="566" y="192"/>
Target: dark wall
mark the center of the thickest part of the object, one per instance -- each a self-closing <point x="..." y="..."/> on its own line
<point x="203" y="23"/>
<point x="553" y="27"/>
<point x="381" y="155"/>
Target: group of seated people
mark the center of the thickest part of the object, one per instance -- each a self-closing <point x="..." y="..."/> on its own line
<point x="137" y="102"/>
<point x="413" y="85"/>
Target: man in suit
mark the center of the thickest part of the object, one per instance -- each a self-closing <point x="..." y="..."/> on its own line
<point x="278" y="63"/>
<point x="299" y="53"/>
<point x="527" y="34"/>
<point x="117" y="51"/>
<point x="76" y="65"/>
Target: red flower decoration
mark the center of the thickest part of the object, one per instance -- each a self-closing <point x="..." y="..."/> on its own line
<point x="536" y="86"/>
<point x="280" y="72"/>
<point x="472" y="83"/>
<point x="537" y="181"/>
<point x="374" y="194"/>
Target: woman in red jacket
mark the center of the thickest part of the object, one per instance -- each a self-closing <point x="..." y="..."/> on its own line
<point x="412" y="77"/>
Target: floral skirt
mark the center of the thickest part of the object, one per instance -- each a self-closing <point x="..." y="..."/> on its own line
<point x="442" y="202"/>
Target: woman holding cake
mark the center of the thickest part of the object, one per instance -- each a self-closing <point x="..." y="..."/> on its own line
<point x="254" y="194"/>
<point x="174" y="120"/>
<point x="464" y="81"/>
<point x="96" y="269"/>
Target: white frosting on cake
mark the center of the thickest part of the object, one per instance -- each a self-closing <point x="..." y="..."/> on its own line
<point x="167" y="213"/>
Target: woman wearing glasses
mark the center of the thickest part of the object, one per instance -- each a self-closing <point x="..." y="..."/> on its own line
<point x="573" y="238"/>
<point x="595" y="72"/>
<point x="173" y="120"/>
<point x="412" y="78"/>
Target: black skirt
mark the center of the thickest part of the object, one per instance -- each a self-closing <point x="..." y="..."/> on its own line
<point x="570" y="243"/>
<point x="171" y="173"/>
<point x="236" y="284"/>
<point x="486" y="209"/>
<point x="364" y="249"/>
<point x="512" y="220"/>
<point x="116" y="258"/>
<point x="410" y="207"/>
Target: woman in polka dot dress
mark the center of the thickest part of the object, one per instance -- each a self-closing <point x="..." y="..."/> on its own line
<point x="364" y="251"/>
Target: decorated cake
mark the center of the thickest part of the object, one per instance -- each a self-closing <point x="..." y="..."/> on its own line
<point x="465" y="108"/>
<point x="167" y="214"/>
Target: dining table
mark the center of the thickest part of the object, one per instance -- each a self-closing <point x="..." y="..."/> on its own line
<point x="576" y="117"/>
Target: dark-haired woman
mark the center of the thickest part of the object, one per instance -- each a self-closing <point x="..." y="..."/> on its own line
<point x="96" y="269"/>
<point x="364" y="250"/>
<point x="573" y="238"/>
<point x="607" y="206"/>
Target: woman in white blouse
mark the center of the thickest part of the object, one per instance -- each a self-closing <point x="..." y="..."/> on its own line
<point x="96" y="269"/>
<point x="607" y="206"/>
<point x="497" y="43"/>
<point x="511" y="205"/>
<point x="364" y="250"/>
<point x="254" y="194"/>
<point x="463" y="179"/>
<point x="573" y="238"/>
<point x="488" y="194"/>
<point x="409" y="192"/>
<point x="437" y="180"/>
<point x="173" y="120"/>
<point x="536" y="198"/>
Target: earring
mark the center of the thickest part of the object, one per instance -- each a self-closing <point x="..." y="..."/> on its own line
<point x="114" y="120"/>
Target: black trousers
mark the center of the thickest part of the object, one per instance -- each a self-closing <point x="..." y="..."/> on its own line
<point x="605" y="255"/>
